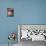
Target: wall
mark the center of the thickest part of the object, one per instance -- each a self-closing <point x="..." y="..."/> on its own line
<point x="26" y="12"/>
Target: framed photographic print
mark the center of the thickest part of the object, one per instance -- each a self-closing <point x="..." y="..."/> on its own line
<point x="10" y="12"/>
<point x="33" y="32"/>
<point x="28" y="33"/>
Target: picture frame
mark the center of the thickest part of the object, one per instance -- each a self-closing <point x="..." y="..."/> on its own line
<point x="10" y="12"/>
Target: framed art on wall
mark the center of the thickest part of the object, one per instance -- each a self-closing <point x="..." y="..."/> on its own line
<point x="10" y="12"/>
<point x="33" y="32"/>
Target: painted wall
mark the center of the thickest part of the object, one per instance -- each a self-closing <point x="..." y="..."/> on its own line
<point x="26" y="12"/>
